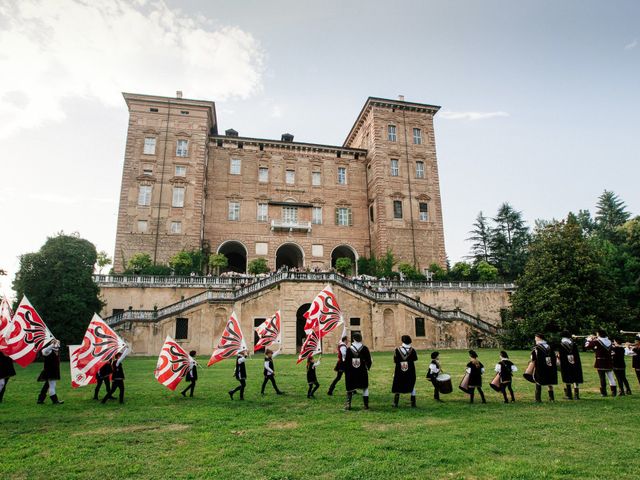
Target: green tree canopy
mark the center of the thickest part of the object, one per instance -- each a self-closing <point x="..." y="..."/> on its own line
<point x="481" y="238"/>
<point x="611" y="212"/>
<point x="181" y="263"/>
<point x="344" y="265"/>
<point x="218" y="261"/>
<point x="258" y="266"/>
<point x="509" y="240"/>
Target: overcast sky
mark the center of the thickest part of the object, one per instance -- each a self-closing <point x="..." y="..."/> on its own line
<point x="540" y="98"/>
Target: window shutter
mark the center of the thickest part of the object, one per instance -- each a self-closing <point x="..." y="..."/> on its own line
<point x="350" y="217"/>
<point x="337" y="216"/>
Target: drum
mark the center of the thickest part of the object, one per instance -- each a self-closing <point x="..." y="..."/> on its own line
<point x="444" y="383"/>
<point x="464" y="384"/>
<point x="495" y="383"/>
<point x="528" y="373"/>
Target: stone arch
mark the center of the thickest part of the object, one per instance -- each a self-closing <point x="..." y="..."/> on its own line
<point x="289" y="254"/>
<point x="300" y="321"/>
<point x="236" y="254"/>
<point x="345" y="250"/>
<point x="389" y="327"/>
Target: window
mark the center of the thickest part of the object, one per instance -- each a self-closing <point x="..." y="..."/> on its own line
<point x="149" y="146"/>
<point x="290" y="215"/>
<point x="391" y="133"/>
<point x="182" y="148"/>
<point x="147" y="170"/>
<point x="419" y="169"/>
<point x="371" y="217"/>
<point x="142" y="226"/>
<point x="343" y="216"/>
<point x="235" y="166"/>
<point x="397" y="209"/>
<point x="181" y="171"/>
<point x="316" y="215"/>
<point x="178" y="197"/>
<point x="182" y="328"/>
<point x="342" y="175"/>
<point x="420" y="331"/>
<point x="263" y="212"/>
<point x="263" y="174"/>
<point x="424" y="212"/>
<point x="417" y="136"/>
<point x="395" y="168"/>
<point x="290" y="177"/>
<point x="354" y="322"/>
<point x="144" y="195"/>
<point x="176" y="227"/>
<point x="316" y="179"/>
<point x="234" y="211"/>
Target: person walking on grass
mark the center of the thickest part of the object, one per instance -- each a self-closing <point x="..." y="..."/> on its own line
<point x="340" y="364"/>
<point x="357" y="365"/>
<point x="634" y="352"/>
<point x="192" y="375"/>
<point x="546" y="369"/>
<point x="570" y="366"/>
<point x="475" y="369"/>
<point x="432" y="374"/>
<point x="50" y="373"/>
<point x="117" y="377"/>
<point x="6" y="371"/>
<point x="404" y="377"/>
<point x="240" y="374"/>
<point x="269" y="372"/>
<point x="620" y="366"/>
<point x="312" y="378"/>
<point x="601" y="345"/>
<point x="103" y="377"/>
<point x="505" y="369"/>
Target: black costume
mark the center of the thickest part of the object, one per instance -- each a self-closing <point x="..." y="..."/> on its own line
<point x="404" y="376"/>
<point x="50" y="374"/>
<point x="117" y="378"/>
<point x="432" y="375"/>
<point x="103" y="377"/>
<point x="506" y="378"/>
<point x="6" y="371"/>
<point x="570" y="367"/>
<point x="358" y="363"/>
<point x="240" y="374"/>
<point x="546" y="369"/>
<point x="312" y="378"/>
<point x="603" y="364"/>
<point x="620" y="369"/>
<point x="269" y="375"/>
<point x="475" y="370"/>
<point x="635" y="360"/>
<point x="340" y="366"/>
<point x="192" y="378"/>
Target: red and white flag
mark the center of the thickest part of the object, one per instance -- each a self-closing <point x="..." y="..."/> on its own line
<point x="324" y="315"/>
<point x="99" y="345"/>
<point x="27" y="336"/>
<point x="173" y="364"/>
<point x="268" y="332"/>
<point x="311" y="346"/>
<point x="6" y="317"/>
<point x="231" y="342"/>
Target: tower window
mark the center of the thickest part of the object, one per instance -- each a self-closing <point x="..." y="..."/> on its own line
<point x="263" y="212"/>
<point x="344" y="216"/>
<point x="176" y="227"/>
<point x="316" y="179"/>
<point x="417" y="136"/>
<point x="424" y="212"/>
<point x="178" y="197"/>
<point x="182" y="148"/>
<point x="316" y="215"/>
<point x="263" y="174"/>
<point x="419" y="169"/>
<point x="342" y="175"/>
<point x="149" y="146"/>
<point x="181" y="171"/>
<point x="290" y="177"/>
<point x="144" y="195"/>
<point x="395" y="167"/>
<point x="391" y="133"/>
<point x="235" y="166"/>
<point x="234" y="211"/>
<point x="397" y="209"/>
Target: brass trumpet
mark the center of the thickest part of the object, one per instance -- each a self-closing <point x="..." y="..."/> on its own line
<point x="581" y="336"/>
<point x="624" y="332"/>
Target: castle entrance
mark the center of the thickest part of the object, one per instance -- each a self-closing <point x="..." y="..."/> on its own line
<point x="236" y="255"/>
<point x="300" y="321"/>
<point x="289" y="255"/>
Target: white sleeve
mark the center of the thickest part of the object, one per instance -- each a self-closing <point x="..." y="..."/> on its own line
<point x="433" y="368"/>
<point x="241" y="359"/>
<point x="275" y="354"/>
<point x="498" y="368"/>
<point x="47" y="350"/>
<point x="482" y="370"/>
<point x="125" y="352"/>
<point x="343" y="352"/>
<point x="514" y="368"/>
<point x="467" y="370"/>
<point x="316" y="363"/>
<point x="267" y="367"/>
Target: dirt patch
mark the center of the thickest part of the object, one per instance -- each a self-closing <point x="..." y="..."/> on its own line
<point x="171" y="427"/>
<point x="282" y="425"/>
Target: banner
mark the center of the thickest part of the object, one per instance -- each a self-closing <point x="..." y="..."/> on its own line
<point x="173" y="364"/>
<point x="27" y="336"/>
<point x="324" y="315"/>
<point x="6" y="317"/>
<point x="231" y="342"/>
<point x="311" y="346"/>
<point x="268" y="332"/>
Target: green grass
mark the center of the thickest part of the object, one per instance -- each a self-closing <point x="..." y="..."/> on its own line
<point x="159" y="434"/>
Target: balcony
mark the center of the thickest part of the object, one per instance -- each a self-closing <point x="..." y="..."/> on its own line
<point x="290" y="226"/>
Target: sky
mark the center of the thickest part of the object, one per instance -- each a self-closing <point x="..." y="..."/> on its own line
<point x="540" y="98"/>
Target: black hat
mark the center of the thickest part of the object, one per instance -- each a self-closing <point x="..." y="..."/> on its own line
<point x="406" y="339"/>
<point x="540" y="336"/>
<point x="504" y="354"/>
<point x="434" y="355"/>
<point x="192" y="353"/>
<point x="356" y="337"/>
<point x="602" y="333"/>
<point x="473" y="354"/>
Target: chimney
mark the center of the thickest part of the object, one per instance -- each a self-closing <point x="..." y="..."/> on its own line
<point x="401" y="98"/>
<point x="231" y="133"/>
<point x="287" y="137"/>
<point x="179" y="94"/>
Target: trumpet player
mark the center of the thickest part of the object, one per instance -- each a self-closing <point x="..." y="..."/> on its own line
<point x="570" y="366"/>
<point x="620" y="367"/>
<point x="546" y="368"/>
<point x="634" y="352"/>
<point x="601" y="345"/>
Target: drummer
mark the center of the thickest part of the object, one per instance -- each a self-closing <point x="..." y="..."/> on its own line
<point x="432" y="375"/>
<point x="504" y="369"/>
<point x="475" y="369"/>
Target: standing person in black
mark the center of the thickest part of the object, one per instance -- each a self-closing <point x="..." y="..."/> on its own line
<point x="404" y="377"/>
<point x="240" y="374"/>
<point x="192" y="375"/>
<point x="51" y="372"/>
<point x="340" y="364"/>
<point x="269" y="372"/>
<point x="601" y="345"/>
<point x="357" y="365"/>
<point x="312" y="378"/>
<point x="6" y="371"/>
<point x="570" y="366"/>
<point x="117" y="376"/>
<point x="546" y="368"/>
<point x="505" y="368"/>
<point x="103" y="376"/>
<point x="634" y="352"/>
<point x="620" y="367"/>
<point x="475" y="369"/>
<point x="432" y="375"/>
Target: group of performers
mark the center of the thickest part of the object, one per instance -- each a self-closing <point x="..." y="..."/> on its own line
<point x="354" y="362"/>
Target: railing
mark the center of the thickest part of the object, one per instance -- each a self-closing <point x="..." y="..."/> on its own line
<point x="285" y="225"/>
<point x="238" y="293"/>
<point x="173" y="280"/>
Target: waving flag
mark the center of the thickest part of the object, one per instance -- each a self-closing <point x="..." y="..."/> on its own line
<point x="27" y="335"/>
<point x="231" y="342"/>
<point x="324" y="315"/>
<point x="311" y="346"/>
<point x="268" y="332"/>
<point x="173" y="364"/>
<point x="99" y="345"/>
<point x="6" y="316"/>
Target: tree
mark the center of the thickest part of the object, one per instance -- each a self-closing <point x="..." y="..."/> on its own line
<point x="344" y="265"/>
<point x="486" y="272"/>
<point x="368" y="266"/>
<point x="611" y="213"/>
<point x="587" y="224"/>
<point x="258" y="266"/>
<point x="439" y="273"/>
<point x="103" y="260"/>
<point x="481" y="238"/>
<point x="58" y="281"/>
<point x="181" y="263"/>
<point x="386" y="264"/>
<point x="461" y="272"/>
<point x="509" y="240"/>
<point x="138" y="263"/>
<point x="217" y="262"/>
<point x="564" y="286"/>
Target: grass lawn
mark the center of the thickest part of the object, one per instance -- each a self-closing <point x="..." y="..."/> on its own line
<point x="159" y="434"/>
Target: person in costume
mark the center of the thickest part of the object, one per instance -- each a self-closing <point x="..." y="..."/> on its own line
<point x="51" y="372"/>
<point x="240" y="374"/>
<point x="269" y="372"/>
<point x="546" y="368"/>
<point x="404" y="376"/>
<point x="357" y="365"/>
<point x="620" y="367"/>
<point x="570" y="366"/>
<point x="103" y="376"/>
<point x="634" y="352"/>
<point x="601" y="345"/>
<point x="432" y="374"/>
<point x="6" y="371"/>
<point x="340" y="364"/>
<point x="192" y="375"/>
<point x="475" y="369"/>
<point x="117" y="376"/>
<point x="505" y="369"/>
<point x="312" y="378"/>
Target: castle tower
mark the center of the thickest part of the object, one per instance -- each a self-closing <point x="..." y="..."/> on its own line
<point x="163" y="182"/>
<point x="403" y="189"/>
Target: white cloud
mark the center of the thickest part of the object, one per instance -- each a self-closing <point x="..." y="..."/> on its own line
<point x="449" y="115"/>
<point x="276" y="111"/>
<point x="631" y="45"/>
<point x="52" y="51"/>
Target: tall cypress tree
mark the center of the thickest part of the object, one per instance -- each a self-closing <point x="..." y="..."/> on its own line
<point x="611" y="212"/>
<point x="481" y="238"/>
<point x="509" y="240"/>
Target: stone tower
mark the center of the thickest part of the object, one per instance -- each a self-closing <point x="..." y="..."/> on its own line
<point x="403" y="188"/>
